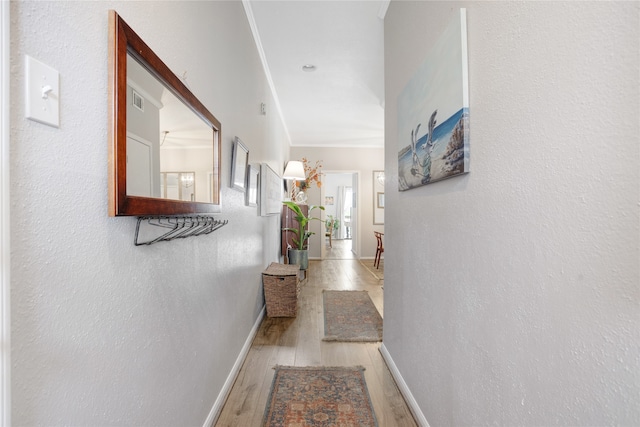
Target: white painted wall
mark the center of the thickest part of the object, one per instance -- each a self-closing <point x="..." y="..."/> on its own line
<point x="362" y="160"/>
<point x="512" y="294"/>
<point x="105" y="333"/>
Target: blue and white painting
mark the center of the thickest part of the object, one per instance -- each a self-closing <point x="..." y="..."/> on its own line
<point x="433" y="113"/>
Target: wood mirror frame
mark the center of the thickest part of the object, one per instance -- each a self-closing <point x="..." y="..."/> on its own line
<point x="123" y="40"/>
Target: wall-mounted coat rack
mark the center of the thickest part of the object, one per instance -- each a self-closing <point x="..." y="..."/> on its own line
<point x="178" y="227"/>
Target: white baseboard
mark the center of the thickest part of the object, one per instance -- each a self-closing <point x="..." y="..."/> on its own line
<point x="404" y="389"/>
<point x="226" y="389"/>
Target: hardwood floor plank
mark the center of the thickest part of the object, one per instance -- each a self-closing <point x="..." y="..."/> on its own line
<point x="298" y="342"/>
<point x="308" y="345"/>
<point x="394" y="409"/>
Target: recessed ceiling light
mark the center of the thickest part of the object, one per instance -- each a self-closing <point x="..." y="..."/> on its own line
<point x="308" y="67"/>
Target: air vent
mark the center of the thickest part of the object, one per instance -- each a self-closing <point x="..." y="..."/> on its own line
<point x="138" y="101"/>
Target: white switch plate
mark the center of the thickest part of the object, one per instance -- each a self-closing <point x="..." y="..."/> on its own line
<point x="42" y="105"/>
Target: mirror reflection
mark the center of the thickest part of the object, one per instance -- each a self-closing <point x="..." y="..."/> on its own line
<point x="165" y="138"/>
<point x="178" y="186"/>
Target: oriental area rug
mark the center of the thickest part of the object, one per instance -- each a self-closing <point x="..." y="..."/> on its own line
<point x="350" y="316"/>
<point x="319" y="396"/>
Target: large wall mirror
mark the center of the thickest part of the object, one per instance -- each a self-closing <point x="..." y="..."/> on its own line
<point x="158" y="130"/>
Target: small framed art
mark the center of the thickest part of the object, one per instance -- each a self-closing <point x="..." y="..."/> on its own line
<point x="239" y="163"/>
<point x="251" y="195"/>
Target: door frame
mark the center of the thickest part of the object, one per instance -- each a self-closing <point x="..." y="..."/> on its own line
<point x="5" y="259"/>
<point x="355" y="231"/>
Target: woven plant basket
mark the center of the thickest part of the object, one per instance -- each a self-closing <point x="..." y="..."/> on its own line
<point x="280" y="282"/>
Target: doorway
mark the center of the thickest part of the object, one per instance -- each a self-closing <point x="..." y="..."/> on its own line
<point x="339" y="198"/>
<point x="5" y="226"/>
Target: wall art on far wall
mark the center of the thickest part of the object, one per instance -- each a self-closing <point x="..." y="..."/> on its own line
<point x="378" y="197"/>
<point x="433" y="113"/>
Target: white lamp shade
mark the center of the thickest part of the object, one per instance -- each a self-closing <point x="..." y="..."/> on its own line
<point x="294" y="171"/>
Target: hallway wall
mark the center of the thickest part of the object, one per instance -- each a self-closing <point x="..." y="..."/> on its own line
<point x="105" y="333"/>
<point x="512" y="293"/>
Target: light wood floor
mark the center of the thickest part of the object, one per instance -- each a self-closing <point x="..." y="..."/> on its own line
<point x="339" y="249"/>
<point x="298" y="342"/>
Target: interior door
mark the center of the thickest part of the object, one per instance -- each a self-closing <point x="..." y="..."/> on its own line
<point x="140" y="177"/>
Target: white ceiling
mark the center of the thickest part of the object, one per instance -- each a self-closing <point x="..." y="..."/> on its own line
<point x="341" y="103"/>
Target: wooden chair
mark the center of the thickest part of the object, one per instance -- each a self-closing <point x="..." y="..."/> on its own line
<point x="329" y="226"/>
<point x="379" y="249"/>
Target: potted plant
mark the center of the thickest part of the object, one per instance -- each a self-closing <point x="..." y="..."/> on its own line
<point x="300" y="254"/>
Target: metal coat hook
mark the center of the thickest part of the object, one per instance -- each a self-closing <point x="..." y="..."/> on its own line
<point x="179" y="227"/>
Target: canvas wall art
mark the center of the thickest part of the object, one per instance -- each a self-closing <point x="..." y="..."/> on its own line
<point x="433" y="113"/>
<point x="270" y="191"/>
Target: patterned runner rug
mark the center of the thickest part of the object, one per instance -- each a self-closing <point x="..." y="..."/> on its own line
<point x="319" y="396"/>
<point x="350" y="316"/>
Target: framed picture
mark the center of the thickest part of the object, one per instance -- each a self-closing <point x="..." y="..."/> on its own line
<point x="328" y="200"/>
<point x="270" y="191"/>
<point x="251" y="195"/>
<point x="378" y="197"/>
<point x="433" y="113"/>
<point x="239" y="163"/>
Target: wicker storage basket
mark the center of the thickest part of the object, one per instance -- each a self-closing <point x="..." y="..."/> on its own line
<point x="280" y="282"/>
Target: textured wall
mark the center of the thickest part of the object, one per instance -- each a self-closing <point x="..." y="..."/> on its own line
<point x="105" y="333"/>
<point x="512" y="294"/>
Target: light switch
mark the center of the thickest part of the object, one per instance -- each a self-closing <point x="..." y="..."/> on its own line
<point x="43" y="92"/>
